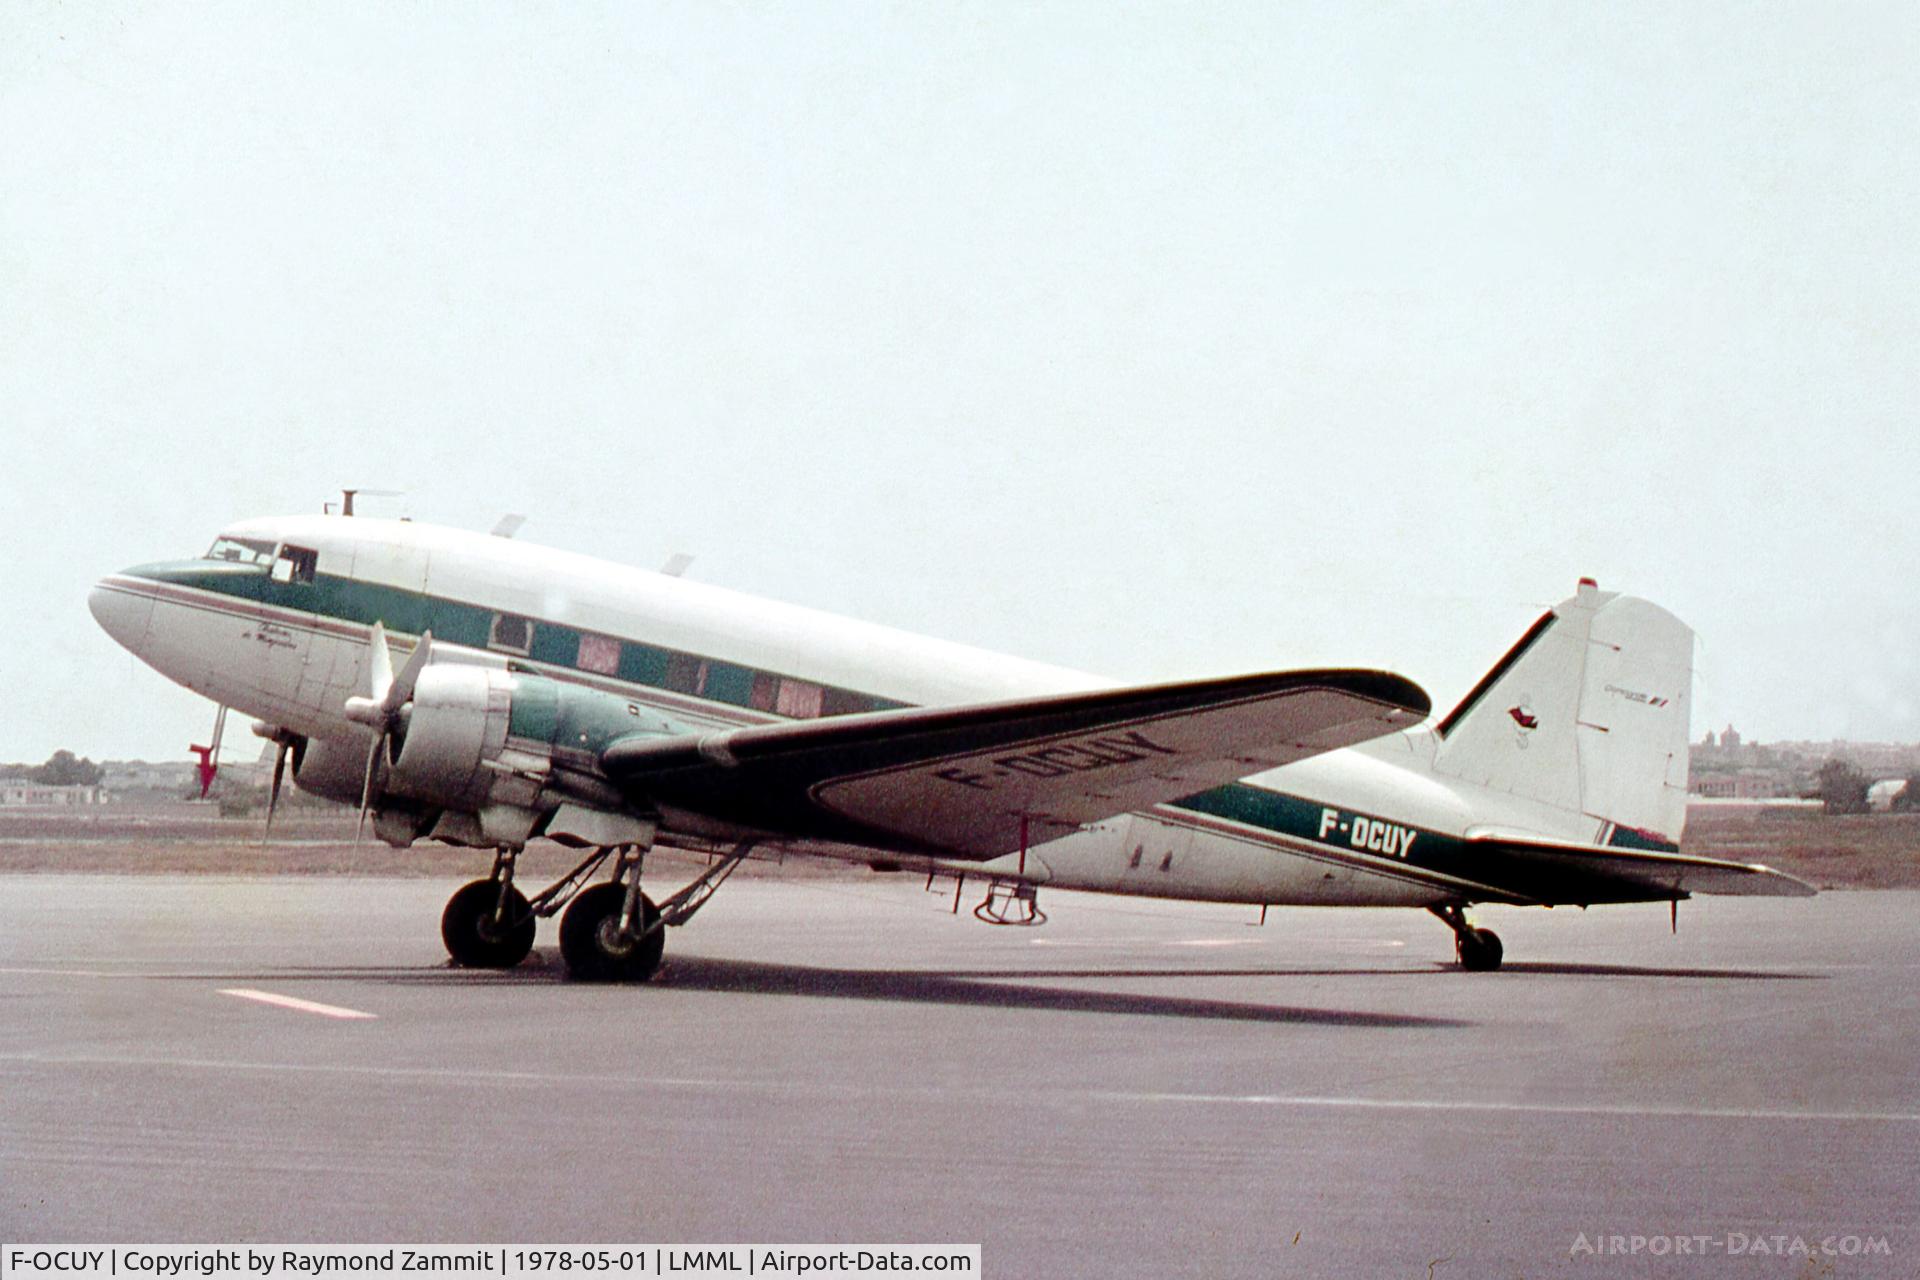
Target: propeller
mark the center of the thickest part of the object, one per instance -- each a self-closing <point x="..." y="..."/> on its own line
<point x="281" y="746"/>
<point x="383" y="711"/>
<point x="284" y="741"/>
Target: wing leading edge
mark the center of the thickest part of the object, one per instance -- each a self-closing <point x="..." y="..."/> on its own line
<point x="974" y="781"/>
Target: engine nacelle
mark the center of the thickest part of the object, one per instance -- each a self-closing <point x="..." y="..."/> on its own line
<point x="452" y="749"/>
<point x="335" y="768"/>
<point x="473" y="752"/>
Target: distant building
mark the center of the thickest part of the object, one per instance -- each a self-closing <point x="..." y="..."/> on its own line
<point x="171" y="777"/>
<point x="17" y="792"/>
<point x="1730" y="740"/>
<point x="1882" y="794"/>
<point x="1745" y="784"/>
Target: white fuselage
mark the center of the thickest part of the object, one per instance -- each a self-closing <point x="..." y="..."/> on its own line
<point x="1344" y="824"/>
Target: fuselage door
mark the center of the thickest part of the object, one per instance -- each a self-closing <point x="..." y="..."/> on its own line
<point x="355" y="584"/>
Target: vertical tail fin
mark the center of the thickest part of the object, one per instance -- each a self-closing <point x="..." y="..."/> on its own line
<point x="1588" y="716"/>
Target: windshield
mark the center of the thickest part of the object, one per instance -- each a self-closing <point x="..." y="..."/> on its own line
<point x="241" y="551"/>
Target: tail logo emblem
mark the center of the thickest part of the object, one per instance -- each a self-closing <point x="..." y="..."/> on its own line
<point x="1524" y="721"/>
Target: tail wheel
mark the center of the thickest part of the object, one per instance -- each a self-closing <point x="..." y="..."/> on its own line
<point x="1479" y="949"/>
<point x="475" y="939"/>
<point x="595" y="947"/>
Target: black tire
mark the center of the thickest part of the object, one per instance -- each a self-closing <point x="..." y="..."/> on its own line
<point x="1479" y="950"/>
<point x="590" y="945"/>
<point x="472" y="938"/>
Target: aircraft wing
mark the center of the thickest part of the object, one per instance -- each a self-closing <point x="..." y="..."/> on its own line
<point x="971" y="781"/>
<point x="1553" y="871"/>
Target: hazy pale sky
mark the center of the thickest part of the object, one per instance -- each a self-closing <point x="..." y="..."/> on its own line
<point x="1159" y="340"/>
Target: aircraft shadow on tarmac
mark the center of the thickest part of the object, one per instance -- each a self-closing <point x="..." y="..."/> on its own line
<point x="983" y="988"/>
<point x="1654" y="971"/>
<point x="1006" y="990"/>
<point x="994" y="986"/>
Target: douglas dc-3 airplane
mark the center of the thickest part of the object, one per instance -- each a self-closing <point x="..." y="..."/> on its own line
<point x="477" y="690"/>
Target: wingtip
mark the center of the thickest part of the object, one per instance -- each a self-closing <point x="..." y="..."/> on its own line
<point x="1783" y="884"/>
<point x="1388" y="687"/>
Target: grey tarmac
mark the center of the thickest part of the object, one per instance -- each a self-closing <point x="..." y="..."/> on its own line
<point x="1136" y="1088"/>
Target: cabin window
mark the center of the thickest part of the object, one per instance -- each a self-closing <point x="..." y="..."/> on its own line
<point x="726" y="682"/>
<point x="511" y="632"/>
<point x="841" y="702"/>
<point x="599" y="653"/>
<point x="799" y="699"/>
<point x="241" y="551"/>
<point x="686" y="674"/>
<point x="295" y="564"/>
<point x="766" y="691"/>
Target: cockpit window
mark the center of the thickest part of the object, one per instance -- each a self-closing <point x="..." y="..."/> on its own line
<point x="241" y="551"/>
<point x="295" y="564"/>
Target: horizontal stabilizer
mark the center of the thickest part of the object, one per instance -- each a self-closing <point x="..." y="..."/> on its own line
<point x="1563" y="872"/>
<point x="974" y="781"/>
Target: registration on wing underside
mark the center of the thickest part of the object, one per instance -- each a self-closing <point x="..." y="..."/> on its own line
<point x="978" y="802"/>
<point x="1088" y="755"/>
<point x="974" y="781"/>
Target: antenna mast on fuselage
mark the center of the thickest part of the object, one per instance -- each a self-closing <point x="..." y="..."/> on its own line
<point x="347" y="496"/>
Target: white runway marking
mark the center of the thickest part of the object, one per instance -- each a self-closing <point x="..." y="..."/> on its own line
<point x="1652" y="1110"/>
<point x="1215" y="942"/>
<point x="294" y="1002"/>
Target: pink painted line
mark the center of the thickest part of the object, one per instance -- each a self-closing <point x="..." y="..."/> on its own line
<point x="294" y="1002"/>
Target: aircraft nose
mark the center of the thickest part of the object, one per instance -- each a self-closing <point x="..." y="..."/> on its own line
<point x="121" y="609"/>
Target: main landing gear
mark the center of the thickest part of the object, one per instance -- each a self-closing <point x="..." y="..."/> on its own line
<point x="488" y="924"/>
<point x="611" y="932"/>
<point x="1478" y="950"/>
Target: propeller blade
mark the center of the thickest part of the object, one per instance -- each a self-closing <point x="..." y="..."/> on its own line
<point x="380" y="664"/>
<point x="376" y="708"/>
<point x="273" y="793"/>
<point x="402" y="687"/>
<point x="366" y="789"/>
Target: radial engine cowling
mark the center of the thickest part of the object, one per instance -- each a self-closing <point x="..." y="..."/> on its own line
<point x="452" y="751"/>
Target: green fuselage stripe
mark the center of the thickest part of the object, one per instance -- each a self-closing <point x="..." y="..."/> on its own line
<point x="553" y="644"/>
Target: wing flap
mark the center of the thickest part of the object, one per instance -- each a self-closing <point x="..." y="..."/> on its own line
<point x="974" y="781"/>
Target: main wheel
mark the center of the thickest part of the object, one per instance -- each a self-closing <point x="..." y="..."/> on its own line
<point x="1479" y="950"/>
<point x="474" y="940"/>
<point x="591" y="942"/>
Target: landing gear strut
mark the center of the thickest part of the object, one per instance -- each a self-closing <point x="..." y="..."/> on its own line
<point x="615" y="933"/>
<point x="1478" y="950"/>
<point x="611" y="932"/>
